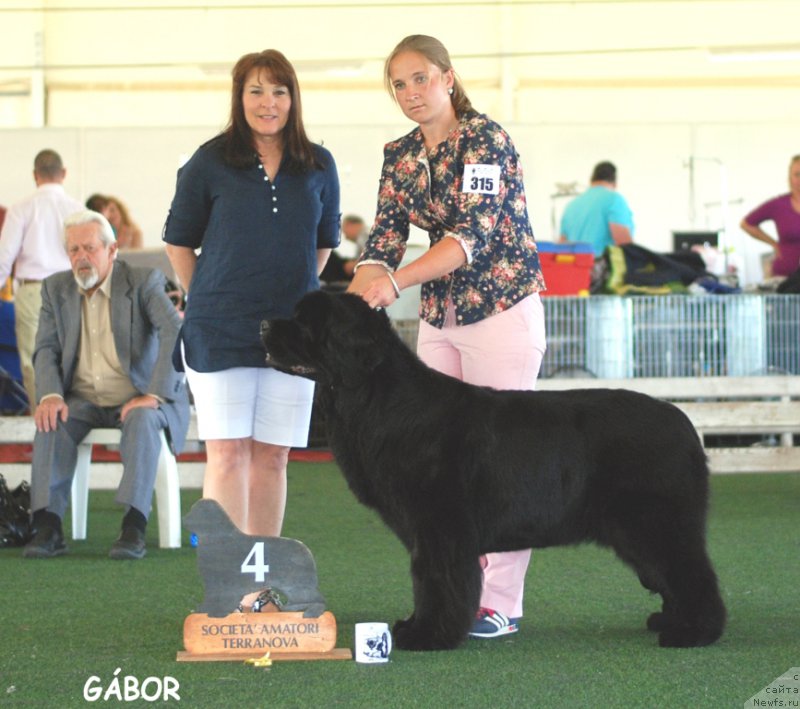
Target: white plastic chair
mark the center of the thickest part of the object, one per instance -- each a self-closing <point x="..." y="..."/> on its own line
<point x="167" y="488"/>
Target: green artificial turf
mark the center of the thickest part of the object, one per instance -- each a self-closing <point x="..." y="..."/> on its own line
<point x="582" y="642"/>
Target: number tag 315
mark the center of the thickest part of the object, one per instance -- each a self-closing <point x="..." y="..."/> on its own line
<point x="481" y="179"/>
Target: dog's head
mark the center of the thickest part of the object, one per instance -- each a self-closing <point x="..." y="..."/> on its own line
<point x="332" y="338"/>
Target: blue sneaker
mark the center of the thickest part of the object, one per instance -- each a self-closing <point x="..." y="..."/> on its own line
<point x="492" y="624"/>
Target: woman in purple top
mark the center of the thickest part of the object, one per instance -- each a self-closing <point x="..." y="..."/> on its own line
<point x="784" y="212"/>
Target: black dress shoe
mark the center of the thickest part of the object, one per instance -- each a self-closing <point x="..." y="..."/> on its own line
<point x="129" y="545"/>
<point x="46" y="543"/>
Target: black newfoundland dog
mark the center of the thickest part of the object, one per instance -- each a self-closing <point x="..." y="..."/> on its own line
<point x="457" y="470"/>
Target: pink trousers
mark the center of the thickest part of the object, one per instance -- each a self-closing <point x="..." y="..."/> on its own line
<point x="504" y="352"/>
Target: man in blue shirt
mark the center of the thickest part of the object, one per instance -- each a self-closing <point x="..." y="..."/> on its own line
<point x="600" y="216"/>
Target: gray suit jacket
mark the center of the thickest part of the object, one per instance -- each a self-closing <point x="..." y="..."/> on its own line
<point x="145" y="325"/>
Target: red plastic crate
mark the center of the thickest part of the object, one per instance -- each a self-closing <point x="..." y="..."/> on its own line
<point x="567" y="268"/>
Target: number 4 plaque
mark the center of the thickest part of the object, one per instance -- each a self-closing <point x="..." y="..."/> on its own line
<point x="232" y="565"/>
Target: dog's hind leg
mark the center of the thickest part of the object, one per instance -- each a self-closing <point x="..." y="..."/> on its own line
<point x="665" y="544"/>
<point x="695" y="611"/>
<point x="652" y="580"/>
<point x="447" y="587"/>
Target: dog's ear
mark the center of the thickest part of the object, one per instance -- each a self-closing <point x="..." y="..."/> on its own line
<point x="350" y="355"/>
<point x="352" y="339"/>
<point x="368" y="350"/>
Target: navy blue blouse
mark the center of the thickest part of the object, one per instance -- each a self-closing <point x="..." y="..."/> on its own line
<point x="258" y="257"/>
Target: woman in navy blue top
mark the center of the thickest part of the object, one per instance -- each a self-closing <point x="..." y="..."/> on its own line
<point x="260" y="203"/>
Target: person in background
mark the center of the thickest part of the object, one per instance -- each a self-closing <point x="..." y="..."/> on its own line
<point x="262" y="201"/>
<point x="355" y="231"/>
<point x="98" y="203"/>
<point x="103" y="360"/>
<point x="32" y="246"/>
<point x="600" y="216"/>
<point x="457" y="175"/>
<point x="340" y="267"/>
<point x="784" y="212"/>
<point x="128" y="233"/>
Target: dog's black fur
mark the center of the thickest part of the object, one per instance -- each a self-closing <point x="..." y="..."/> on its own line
<point x="457" y="470"/>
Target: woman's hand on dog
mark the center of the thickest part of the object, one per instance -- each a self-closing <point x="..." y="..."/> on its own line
<point x="374" y="285"/>
<point x="380" y="293"/>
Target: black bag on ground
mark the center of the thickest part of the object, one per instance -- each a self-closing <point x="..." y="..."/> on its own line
<point x="633" y="269"/>
<point x="648" y="268"/>
<point x="15" y="514"/>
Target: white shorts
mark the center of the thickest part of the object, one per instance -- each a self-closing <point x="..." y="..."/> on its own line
<point x="252" y="402"/>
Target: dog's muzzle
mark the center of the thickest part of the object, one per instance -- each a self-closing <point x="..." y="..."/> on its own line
<point x="299" y="369"/>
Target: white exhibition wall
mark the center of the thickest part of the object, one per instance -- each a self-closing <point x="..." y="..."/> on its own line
<point x="696" y="101"/>
<point x="743" y="163"/>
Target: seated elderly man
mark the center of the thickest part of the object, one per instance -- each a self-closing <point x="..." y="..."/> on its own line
<point x="103" y="358"/>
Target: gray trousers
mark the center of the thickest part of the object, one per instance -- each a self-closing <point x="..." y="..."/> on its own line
<point x="55" y="454"/>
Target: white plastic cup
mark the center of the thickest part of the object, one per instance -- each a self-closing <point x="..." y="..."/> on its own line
<point x="373" y="643"/>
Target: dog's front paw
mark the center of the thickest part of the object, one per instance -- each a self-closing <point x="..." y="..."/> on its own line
<point x="409" y="635"/>
<point x="404" y="623"/>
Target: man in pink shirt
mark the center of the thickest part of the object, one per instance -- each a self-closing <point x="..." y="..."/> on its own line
<point x="32" y="247"/>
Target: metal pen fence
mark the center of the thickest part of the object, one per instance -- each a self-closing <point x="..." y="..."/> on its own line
<point x="672" y="336"/>
<point x="666" y="335"/>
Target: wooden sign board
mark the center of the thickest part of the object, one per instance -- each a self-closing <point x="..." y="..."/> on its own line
<point x="239" y="636"/>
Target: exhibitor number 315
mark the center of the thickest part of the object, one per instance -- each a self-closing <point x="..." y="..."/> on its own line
<point x="482" y="184"/>
<point x="481" y="179"/>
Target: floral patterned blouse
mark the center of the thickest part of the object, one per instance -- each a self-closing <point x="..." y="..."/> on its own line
<point x="491" y="223"/>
